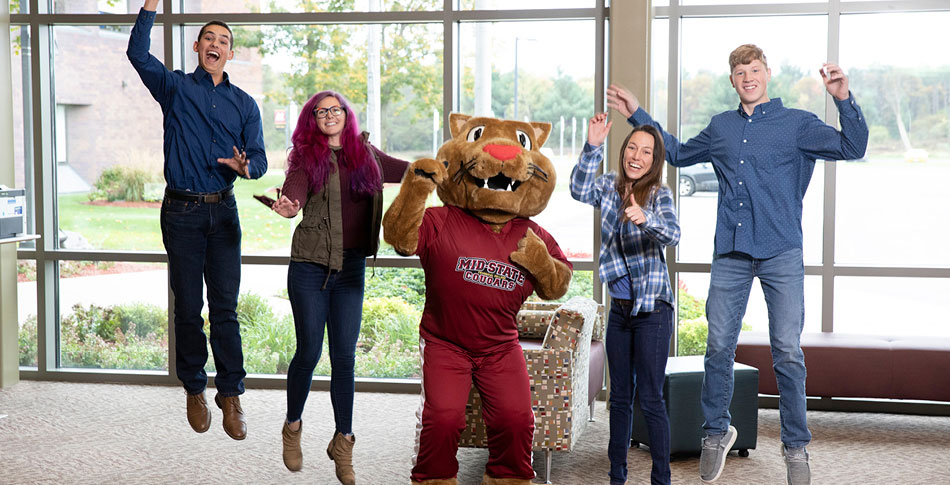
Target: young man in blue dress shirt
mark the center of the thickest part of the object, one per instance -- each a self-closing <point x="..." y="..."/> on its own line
<point x="764" y="155"/>
<point x="213" y="134"/>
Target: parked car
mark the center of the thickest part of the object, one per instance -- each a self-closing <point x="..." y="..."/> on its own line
<point x="697" y="178"/>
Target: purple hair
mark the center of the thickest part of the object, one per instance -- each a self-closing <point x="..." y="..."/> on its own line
<point x="311" y="153"/>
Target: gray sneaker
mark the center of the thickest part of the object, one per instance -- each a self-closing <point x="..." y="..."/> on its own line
<point x="713" y="459"/>
<point x="796" y="463"/>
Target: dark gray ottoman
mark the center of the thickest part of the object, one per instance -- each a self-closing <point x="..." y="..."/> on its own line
<point x="682" y="388"/>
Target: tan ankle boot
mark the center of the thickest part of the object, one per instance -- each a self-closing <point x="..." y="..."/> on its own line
<point x="340" y="450"/>
<point x="293" y="456"/>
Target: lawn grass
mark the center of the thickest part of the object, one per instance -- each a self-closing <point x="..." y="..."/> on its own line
<point x="117" y="228"/>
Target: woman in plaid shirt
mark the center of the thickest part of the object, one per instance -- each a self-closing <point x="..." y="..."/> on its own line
<point x="638" y="221"/>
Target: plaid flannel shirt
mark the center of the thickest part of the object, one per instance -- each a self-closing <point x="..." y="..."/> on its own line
<point x="627" y="248"/>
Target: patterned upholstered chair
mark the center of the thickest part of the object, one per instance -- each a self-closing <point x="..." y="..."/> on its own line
<point x="564" y="350"/>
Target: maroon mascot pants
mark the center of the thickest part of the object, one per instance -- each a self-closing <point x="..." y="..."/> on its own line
<point x="501" y="378"/>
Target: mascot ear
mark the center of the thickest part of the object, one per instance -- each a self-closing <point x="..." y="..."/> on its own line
<point x="456" y="122"/>
<point x="541" y="132"/>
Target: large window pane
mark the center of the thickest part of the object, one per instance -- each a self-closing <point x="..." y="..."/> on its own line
<point x="96" y="6"/>
<point x="706" y="91"/>
<point x="108" y="142"/>
<point x="267" y="6"/>
<point x="905" y="95"/>
<point x="692" y="326"/>
<point x="22" y="122"/>
<point x="522" y="4"/>
<point x="922" y="303"/>
<point x="26" y="311"/>
<point x="389" y="333"/>
<point x="391" y="74"/>
<point x="735" y="2"/>
<point x="660" y="56"/>
<point x="697" y="216"/>
<point x="507" y="72"/>
<point x="105" y="325"/>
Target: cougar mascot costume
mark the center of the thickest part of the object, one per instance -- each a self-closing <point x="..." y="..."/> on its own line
<point x="482" y="258"/>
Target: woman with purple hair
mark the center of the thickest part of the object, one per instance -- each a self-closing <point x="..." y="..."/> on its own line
<point x="337" y="176"/>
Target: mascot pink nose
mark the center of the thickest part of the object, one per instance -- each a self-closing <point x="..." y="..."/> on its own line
<point x="502" y="152"/>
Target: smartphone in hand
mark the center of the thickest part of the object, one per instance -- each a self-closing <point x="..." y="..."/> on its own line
<point x="265" y="200"/>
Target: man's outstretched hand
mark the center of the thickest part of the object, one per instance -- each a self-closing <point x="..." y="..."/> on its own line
<point x="238" y="163"/>
<point x="835" y="81"/>
<point x="622" y="100"/>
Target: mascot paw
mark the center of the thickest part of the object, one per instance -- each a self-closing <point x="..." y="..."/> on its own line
<point x="428" y="171"/>
<point x="532" y="253"/>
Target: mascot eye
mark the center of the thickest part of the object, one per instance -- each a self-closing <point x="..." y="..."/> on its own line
<point x="524" y="139"/>
<point x="475" y="133"/>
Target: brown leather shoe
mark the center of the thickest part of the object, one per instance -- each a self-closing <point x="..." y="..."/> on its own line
<point x="234" y="424"/>
<point x="293" y="455"/>
<point x="340" y="450"/>
<point x="199" y="416"/>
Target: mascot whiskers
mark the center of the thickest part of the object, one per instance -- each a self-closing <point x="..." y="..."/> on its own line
<point x="482" y="258"/>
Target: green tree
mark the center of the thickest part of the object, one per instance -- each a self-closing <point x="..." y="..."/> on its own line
<point x="332" y="56"/>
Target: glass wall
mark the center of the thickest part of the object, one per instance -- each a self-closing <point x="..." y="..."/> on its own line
<point x="905" y="94"/>
<point x="705" y="90"/>
<point x="403" y="75"/>
<point x="104" y="149"/>
<point x="26" y="312"/>
<point x="108" y="142"/>
<point x="506" y="73"/>
<point x="903" y="91"/>
<point x="309" y="6"/>
<point x="103" y="324"/>
<point x="523" y="4"/>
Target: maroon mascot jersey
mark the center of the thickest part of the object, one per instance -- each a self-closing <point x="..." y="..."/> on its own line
<point x="473" y="290"/>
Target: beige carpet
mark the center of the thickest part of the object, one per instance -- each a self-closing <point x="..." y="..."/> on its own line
<point x="116" y="434"/>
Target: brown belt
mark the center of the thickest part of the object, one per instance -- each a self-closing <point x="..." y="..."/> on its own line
<point x="207" y="198"/>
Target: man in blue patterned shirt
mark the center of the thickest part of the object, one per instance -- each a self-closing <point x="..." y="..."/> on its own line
<point x="764" y="155"/>
<point x="206" y="119"/>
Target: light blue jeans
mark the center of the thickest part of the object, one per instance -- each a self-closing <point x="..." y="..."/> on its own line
<point x="783" y="279"/>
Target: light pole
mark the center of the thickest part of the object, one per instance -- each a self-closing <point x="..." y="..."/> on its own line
<point x="516" y="74"/>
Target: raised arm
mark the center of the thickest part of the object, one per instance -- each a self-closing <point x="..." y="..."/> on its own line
<point x="819" y="140"/>
<point x="156" y="77"/>
<point x="404" y="217"/>
<point x="696" y="150"/>
<point x="584" y="187"/>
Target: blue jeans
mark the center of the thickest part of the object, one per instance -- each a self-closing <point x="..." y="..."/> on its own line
<point x="337" y="303"/>
<point x="203" y="242"/>
<point x="637" y="350"/>
<point x="783" y="280"/>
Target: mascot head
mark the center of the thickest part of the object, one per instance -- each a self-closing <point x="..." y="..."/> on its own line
<point x="495" y="168"/>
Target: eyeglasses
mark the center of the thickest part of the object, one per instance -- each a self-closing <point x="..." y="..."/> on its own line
<point x="334" y="110"/>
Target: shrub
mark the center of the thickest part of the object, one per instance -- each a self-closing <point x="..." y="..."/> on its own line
<point x="28" y="342"/>
<point x="27" y="269"/>
<point x="408" y="284"/>
<point x="690" y="307"/>
<point x="253" y="310"/>
<point x="142" y="320"/>
<point x="693" y="327"/>
<point x="388" y="320"/>
<point x="269" y="345"/>
<point x="122" y="183"/>
<point x="692" y="336"/>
